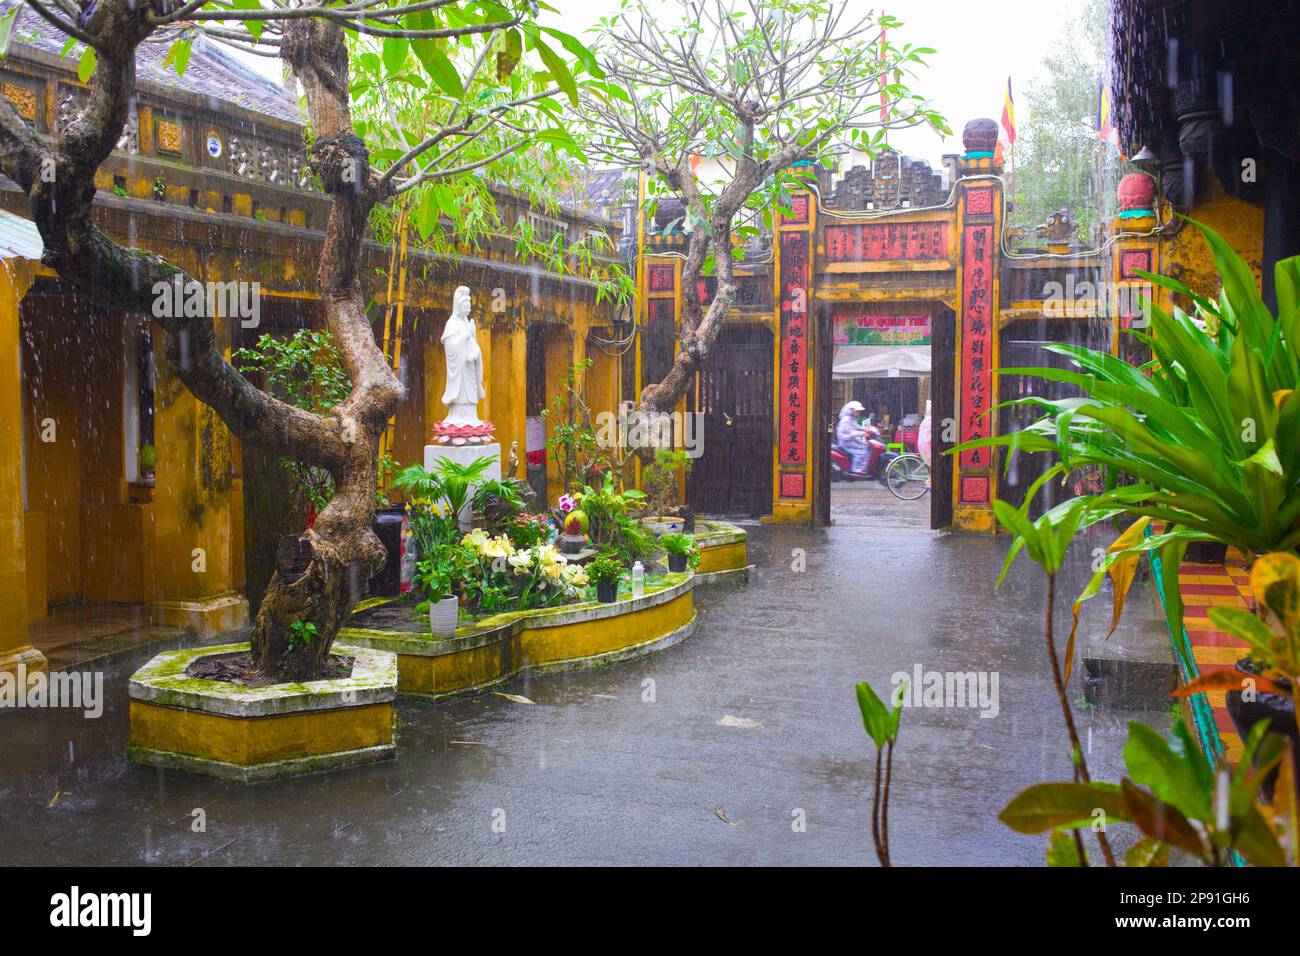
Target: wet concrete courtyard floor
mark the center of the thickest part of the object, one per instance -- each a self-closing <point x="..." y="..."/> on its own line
<point x="628" y="764"/>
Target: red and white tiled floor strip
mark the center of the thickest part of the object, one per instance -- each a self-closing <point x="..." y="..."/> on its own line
<point x="1204" y="586"/>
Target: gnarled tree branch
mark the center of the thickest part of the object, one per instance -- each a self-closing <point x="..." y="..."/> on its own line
<point x="60" y="185"/>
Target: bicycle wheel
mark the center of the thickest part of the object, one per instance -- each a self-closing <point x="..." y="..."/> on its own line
<point x="907" y="477"/>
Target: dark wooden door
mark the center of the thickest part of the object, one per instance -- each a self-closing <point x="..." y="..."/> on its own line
<point x="823" y="423"/>
<point x="943" y="369"/>
<point x="734" y="394"/>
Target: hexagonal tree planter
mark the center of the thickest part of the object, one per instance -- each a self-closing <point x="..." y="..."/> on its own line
<point x="262" y="733"/>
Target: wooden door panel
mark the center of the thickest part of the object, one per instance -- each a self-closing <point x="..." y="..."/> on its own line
<point x="734" y="474"/>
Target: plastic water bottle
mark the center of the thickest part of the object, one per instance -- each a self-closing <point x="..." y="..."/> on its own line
<point x="407" y="564"/>
<point x="638" y="580"/>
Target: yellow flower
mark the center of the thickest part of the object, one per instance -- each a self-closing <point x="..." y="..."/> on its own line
<point x="498" y="547"/>
<point x="476" y="540"/>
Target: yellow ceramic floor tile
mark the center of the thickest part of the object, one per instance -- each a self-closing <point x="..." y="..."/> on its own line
<point x="1212" y="654"/>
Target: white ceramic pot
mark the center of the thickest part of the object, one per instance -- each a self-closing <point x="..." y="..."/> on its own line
<point x="442" y="616"/>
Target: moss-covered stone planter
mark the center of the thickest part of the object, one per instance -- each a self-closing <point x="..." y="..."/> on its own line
<point x="262" y="733"/>
<point x="498" y="648"/>
<point x="724" y="551"/>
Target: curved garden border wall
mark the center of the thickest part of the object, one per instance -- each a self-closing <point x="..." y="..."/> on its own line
<point x="262" y="733"/>
<point x="724" y="551"/>
<point x="545" y="640"/>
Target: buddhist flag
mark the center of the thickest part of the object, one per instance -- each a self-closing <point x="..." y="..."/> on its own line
<point x="1105" y="131"/>
<point x="1009" y="115"/>
<point x="1007" y="134"/>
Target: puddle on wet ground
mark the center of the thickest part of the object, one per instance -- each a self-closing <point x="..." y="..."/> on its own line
<point x="630" y="763"/>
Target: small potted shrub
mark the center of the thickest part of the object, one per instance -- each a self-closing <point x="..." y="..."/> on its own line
<point x="435" y="577"/>
<point x="681" y="551"/>
<point x="605" y="572"/>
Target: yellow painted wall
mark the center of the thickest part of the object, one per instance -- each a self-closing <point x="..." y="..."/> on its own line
<point x="118" y="562"/>
<point x="14" y="596"/>
<point x="1241" y="223"/>
<point x="411" y="427"/>
<point x="558" y="349"/>
<point x="99" y="539"/>
<point x="600" y="388"/>
<point x="53" y="388"/>
<point x="506" y="392"/>
<point x="192" y="498"/>
<point x="249" y="741"/>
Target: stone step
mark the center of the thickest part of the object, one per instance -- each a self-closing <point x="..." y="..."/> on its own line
<point x="1134" y="668"/>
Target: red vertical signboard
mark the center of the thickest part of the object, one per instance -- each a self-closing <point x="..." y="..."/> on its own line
<point x="976" y="341"/>
<point x="792" y="374"/>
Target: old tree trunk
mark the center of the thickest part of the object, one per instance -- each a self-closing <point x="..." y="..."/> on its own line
<point x="345" y="551"/>
<point x="58" y="180"/>
<point x="712" y="229"/>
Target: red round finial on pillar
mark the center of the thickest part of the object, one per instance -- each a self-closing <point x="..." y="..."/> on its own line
<point x="980" y="136"/>
<point x="1137" y="191"/>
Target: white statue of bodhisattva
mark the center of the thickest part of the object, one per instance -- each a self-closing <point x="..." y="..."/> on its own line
<point x="464" y="377"/>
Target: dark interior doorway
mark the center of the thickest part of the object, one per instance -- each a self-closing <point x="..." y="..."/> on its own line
<point x="943" y="372"/>
<point x="535" y="399"/>
<point x="734" y="394"/>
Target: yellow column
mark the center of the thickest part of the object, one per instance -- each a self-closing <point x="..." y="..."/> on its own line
<point x="16" y="652"/>
<point x="487" y="407"/>
<point x="194" y="520"/>
<point x="435" y="376"/>
<point x="558" y="349"/>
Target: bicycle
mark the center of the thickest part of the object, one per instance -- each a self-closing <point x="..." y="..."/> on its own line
<point x="908" y="476"/>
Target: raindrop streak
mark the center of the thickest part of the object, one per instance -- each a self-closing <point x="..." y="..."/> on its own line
<point x="1225" y="96"/>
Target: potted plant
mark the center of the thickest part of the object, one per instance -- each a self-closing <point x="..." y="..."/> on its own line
<point x="448" y="484"/>
<point x="605" y="572"/>
<point x="496" y="501"/>
<point x="574" y="538"/>
<point x="610" y="525"/>
<point x="659" y="483"/>
<point x="436" y="578"/>
<point x="681" y="551"/>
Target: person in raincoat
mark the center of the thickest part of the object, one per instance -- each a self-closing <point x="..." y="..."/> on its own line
<point x="850" y="435"/>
